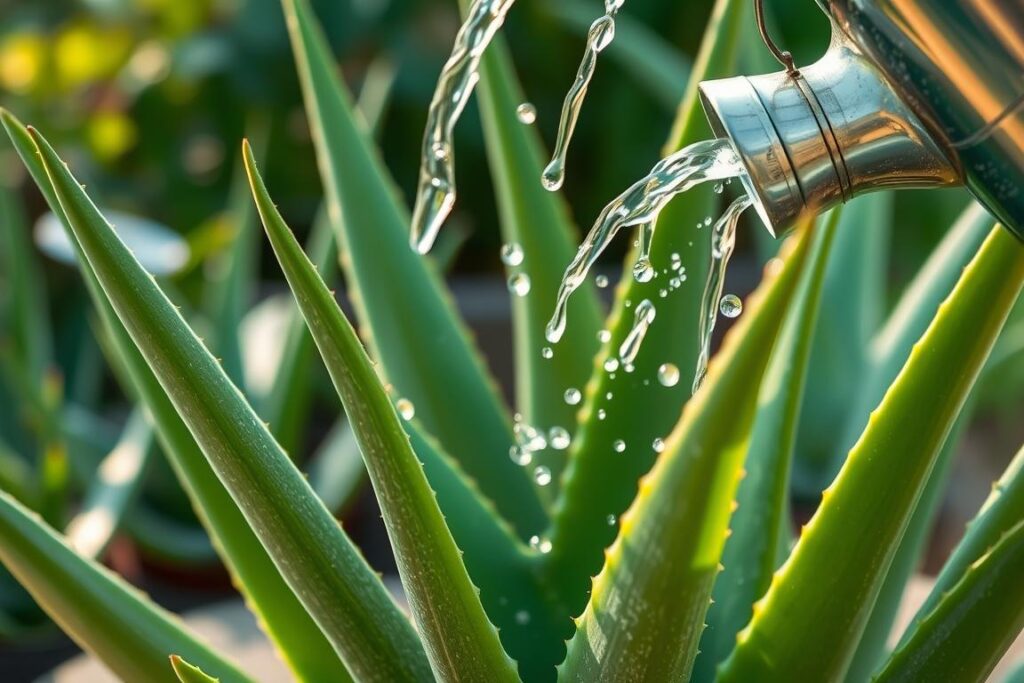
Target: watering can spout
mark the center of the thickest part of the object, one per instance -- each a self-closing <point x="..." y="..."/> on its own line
<point x="880" y="111"/>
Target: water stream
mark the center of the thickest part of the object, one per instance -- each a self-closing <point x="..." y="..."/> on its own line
<point x="640" y="205"/>
<point x="599" y="36"/>
<point x="435" y="193"/>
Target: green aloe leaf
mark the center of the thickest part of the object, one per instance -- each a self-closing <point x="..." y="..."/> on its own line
<point x="1003" y="509"/>
<point x="852" y="309"/>
<point x="96" y="607"/>
<point x="886" y="355"/>
<point x="809" y="623"/>
<point x="538" y="222"/>
<point x="333" y="582"/>
<point x="642" y="53"/>
<point x="230" y="287"/>
<point x="408" y="319"/>
<point x="761" y="524"/>
<point x="967" y="633"/>
<point x="336" y="470"/>
<point x="187" y="673"/>
<point x="460" y="641"/>
<point x="647" y="606"/>
<point x="599" y="481"/>
<point x="296" y="635"/>
<point x="113" y="489"/>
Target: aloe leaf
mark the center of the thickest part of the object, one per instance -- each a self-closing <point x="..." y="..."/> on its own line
<point x="1003" y="509"/>
<point x="408" y="320"/>
<point x="539" y="222"/>
<point x="188" y="673"/>
<point x="25" y="298"/>
<point x="358" y="616"/>
<point x="809" y="623"/>
<point x="647" y="606"/>
<point x="333" y="582"/>
<point x="875" y="639"/>
<point x="230" y="286"/>
<point x="170" y="540"/>
<point x="286" y="405"/>
<point x="94" y="606"/>
<point x="112" y="490"/>
<point x="598" y="481"/>
<point x="460" y="641"/>
<point x="973" y="624"/>
<point x="761" y="523"/>
<point x="642" y="53"/>
<point x="852" y="309"/>
<point x="296" y="635"/>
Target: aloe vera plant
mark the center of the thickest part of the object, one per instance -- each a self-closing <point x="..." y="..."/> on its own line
<point x="671" y="558"/>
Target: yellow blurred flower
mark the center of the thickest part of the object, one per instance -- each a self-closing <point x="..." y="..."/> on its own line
<point x="84" y="52"/>
<point x="111" y="134"/>
<point x="22" y="56"/>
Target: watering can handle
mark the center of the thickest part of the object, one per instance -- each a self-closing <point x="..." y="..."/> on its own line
<point x="784" y="56"/>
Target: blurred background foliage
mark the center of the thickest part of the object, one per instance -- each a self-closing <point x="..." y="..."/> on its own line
<point x="149" y="100"/>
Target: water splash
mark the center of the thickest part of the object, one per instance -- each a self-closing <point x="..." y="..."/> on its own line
<point x="723" y="239"/>
<point x="599" y="36"/>
<point x="640" y="205"/>
<point x="642" y="319"/>
<point x="435" y="194"/>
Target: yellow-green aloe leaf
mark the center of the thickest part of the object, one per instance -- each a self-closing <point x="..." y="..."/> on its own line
<point x="460" y="641"/>
<point x="887" y="353"/>
<point x="295" y="634"/>
<point x="188" y="673"/>
<point x="101" y="612"/>
<point x="113" y="489"/>
<point x="538" y="222"/>
<point x="599" y="481"/>
<point x="971" y="627"/>
<point x="406" y="315"/>
<point x="761" y="523"/>
<point x="808" y="625"/>
<point x="1003" y="509"/>
<point x="647" y="606"/>
<point x="314" y="556"/>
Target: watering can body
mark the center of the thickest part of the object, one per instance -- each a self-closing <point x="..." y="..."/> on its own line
<point x="911" y="93"/>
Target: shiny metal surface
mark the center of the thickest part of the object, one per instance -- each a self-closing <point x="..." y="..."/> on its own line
<point x="816" y="139"/>
<point x="960" y="65"/>
<point x="911" y="93"/>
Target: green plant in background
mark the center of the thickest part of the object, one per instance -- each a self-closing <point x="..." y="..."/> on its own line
<point x="666" y="501"/>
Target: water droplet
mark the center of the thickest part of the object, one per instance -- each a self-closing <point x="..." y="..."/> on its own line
<point x="604" y="336"/>
<point x="730" y="306"/>
<point x="601" y="414"/>
<point x="707" y="221"/>
<point x="511" y="254"/>
<point x="440" y="151"/>
<point x="611" y="365"/>
<point x="719" y="188"/>
<point x="611" y="519"/>
<point x="668" y="375"/>
<point x="619" y="445"/>
<point x="559" y="438"/>
<point x="674" y="282"/>
<point x="573" y="396"/>
<point x="541" y="544"/>
<point x="542" y="475"/>
<point x="546" y="352"/>
<point x="642" y="319"/>
<point x="663" y="293"/>
<point x="522" y="617"/>
<point x="609" y="395"/>
<point x="519" y="284"/>
<point x="601" y="281"/>
<point x="526" y="113"/>
<point x="658" y="445"/>
<point x="519" y="456"/>
<point x="643" y="271"/>
<point x="405" y="408"/>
